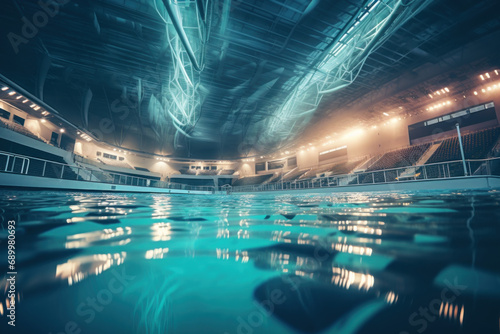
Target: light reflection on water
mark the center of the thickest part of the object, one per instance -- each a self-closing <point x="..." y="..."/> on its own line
<point x="259" y="263"/>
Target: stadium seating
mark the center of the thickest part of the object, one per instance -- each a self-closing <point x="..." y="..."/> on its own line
<point x="115" y="163"/>
<point x="19" y="128"/>
<point x="400" y="158"/>
<point x="345" y="167"/>
<point x="295" y="174"/>
<point x="476" y="145"/>
<point x="226" y="172"/>
<point x="252" y="180"/>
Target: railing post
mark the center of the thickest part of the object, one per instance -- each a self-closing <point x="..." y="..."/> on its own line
<point x="385" y="177"/>
<point x="62" y="171"/>
<point x="28" y="166"/>
<point x="44" y="165"/>
<point x="470" y="169"/>
<point x="461" y="149"/>
<point x="357" y="176"/>
<point x="373" y="177"/>
<point x="448" y="167"/>
<point x="7" y="162"/>
<point x="425" y="173"/>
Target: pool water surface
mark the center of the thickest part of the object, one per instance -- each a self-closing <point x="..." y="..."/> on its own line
<point x="426" y="262"/>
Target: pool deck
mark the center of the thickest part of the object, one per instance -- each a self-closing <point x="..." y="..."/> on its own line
<point x="479" y="182"/>
<point x="22" y="182"/>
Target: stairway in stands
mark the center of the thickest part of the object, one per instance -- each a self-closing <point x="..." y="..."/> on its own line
<point x="412" y="171"/>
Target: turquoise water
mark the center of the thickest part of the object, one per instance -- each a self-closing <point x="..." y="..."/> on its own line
<point x="260" y="263"/>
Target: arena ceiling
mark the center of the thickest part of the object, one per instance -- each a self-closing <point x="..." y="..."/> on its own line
<point x="223" y="79"/>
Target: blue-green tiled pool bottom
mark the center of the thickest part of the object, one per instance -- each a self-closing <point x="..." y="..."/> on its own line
<point x="341" y="263"/>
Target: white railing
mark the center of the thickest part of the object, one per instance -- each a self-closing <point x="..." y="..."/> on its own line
<point x="20" y="164"/>
<point x="433" y="171"/>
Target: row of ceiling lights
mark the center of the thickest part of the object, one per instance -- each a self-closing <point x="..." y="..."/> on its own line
<point x="33" y="106"/>
<point x="439" y="93"/>
<point x="13" y="92"/>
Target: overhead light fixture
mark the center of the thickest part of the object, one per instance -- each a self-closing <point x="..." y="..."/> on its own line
<point x="43" y="120"/>
<point x="385" y="114"/>
<point x="36" y="108"/>
<point x="12" y="93"/>
<point x="446" y="89"/>
<point x="62" y="130"/>
<point x="482" y="77"/>
<point x="488" y="75"/>
<point x="20" y="96"/>
<point x="475" y="92"/>
<point x="25" y="101"/>
<point x="5" y="88"/>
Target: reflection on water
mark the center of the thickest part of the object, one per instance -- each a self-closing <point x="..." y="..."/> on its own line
<point x="342" y="263"/>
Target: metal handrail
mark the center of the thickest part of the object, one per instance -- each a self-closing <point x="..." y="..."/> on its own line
<point x="333" y="180"/>
<point x="113" y="178"/>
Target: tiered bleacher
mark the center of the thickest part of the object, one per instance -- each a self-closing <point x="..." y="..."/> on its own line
<point x="226" y="172"/>
<point x="400" y="158"/>
<point x="476" y="145"/>
<point x="345" y="167"/>
<point x="252" y="180"/>
<point x="207" y="172"/>
<point x="295" y="174"/>
<point x="115" y="163"/>
<point x="187" y="171"/>
<point x="18" y="128"/>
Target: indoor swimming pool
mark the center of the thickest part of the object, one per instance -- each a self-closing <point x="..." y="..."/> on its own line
<point x="426" y="262"/>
